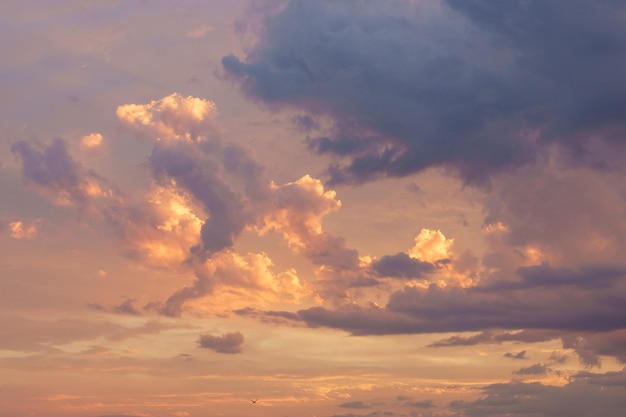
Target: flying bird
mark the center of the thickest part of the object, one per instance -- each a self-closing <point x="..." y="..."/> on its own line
<point x="254" y="401"/>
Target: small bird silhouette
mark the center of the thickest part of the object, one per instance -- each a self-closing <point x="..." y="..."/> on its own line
<point x="254" y="401"/>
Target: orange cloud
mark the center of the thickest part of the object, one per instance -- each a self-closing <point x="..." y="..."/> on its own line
<point x="171" y="118"/>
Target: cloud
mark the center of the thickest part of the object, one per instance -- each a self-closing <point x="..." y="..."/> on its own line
<point x="57" y="174"/>
<point x="539" y="209"/>
<point x="431" y="246"/>
<point x="24" y="229"/>
<point x="203" y="194"/>
<point x="354" y="404"/>
<point x="401" y="265"/>
<point x="422" y="404"/>
<point x="536" y="369"/>
<point x="470" y="86"/>
<point x="224" y="180"/>
<point x="236" y="280"/>
<point x="227" y="343"/>
<point x="518" y="355"/>
<point x="91" y="141"/>
<point x="126" y="307"/>
<point x="171" y="118"/>
<point x="589" y="347"/>
<point x="584" y="395"/>
<point x="545" y="312"/>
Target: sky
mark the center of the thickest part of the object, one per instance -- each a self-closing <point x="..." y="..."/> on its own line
<point x="400" y="208"/>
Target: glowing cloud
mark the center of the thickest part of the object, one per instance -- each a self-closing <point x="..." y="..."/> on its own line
<point x="171" y="118"/>
<point x="91" y="141"/>
<point x="24" y="229"/>
<point x="431" y="246"/>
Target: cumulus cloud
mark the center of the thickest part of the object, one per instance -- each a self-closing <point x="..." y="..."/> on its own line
<point x="174" y="117"/>
<point x="237" y="280"/>
<point x="230" y="343"/>
<point x="91" y="141"/>
<point x="56" y="173"/>
<point x="467" y="85"/>
<point x="431" y="246"/>
<point x="224" y="179"/>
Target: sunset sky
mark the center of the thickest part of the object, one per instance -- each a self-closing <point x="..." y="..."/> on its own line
<point x="402" y="208"/>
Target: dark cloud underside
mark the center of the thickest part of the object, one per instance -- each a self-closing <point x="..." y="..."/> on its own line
<point x="477" y="86"/>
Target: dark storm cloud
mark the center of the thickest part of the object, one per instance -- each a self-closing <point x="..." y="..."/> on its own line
<point x="474" y="85"/>
<point x="401" y="265"/>
<point x="227" y="343"/>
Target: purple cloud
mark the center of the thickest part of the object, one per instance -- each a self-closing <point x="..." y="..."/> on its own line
<point x="467" y="85"/>
<point x="229" y="343"/>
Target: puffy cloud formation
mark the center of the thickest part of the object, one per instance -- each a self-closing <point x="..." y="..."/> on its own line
<point x="227" y="343"/>
<point x="237" y="281"/>
<point x="431" y="246"/>
<point x="91" y="141"/>
<point x="468" y="85"/>
<point x="171" y="118"/>
<point x="158" y="228"/>
<point x="224" y="180"/>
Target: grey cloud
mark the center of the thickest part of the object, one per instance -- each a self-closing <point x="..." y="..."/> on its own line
<point x="491" y="337"/>
<point x="126" y="307"/>
<point x="586" y="318"/>
<point x="542" y="207"/>
<point x="401" y="265"/>
<point x="422" y="404"/>
<point x="51" y="167"/>
<point x="590" y="346"/>
<point x="588" y="276"/>
<point x="536" y="369"/>
<point x="585" y="395"/>
<point x="483" y="337"/>
<point x="200" y="172"/>
<point x="230" y="343"/>
<point x="354" y="404"/>
<point x="276" y="317"/>
<point x="459" y="84"/>
<point x="518" y="355"/>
